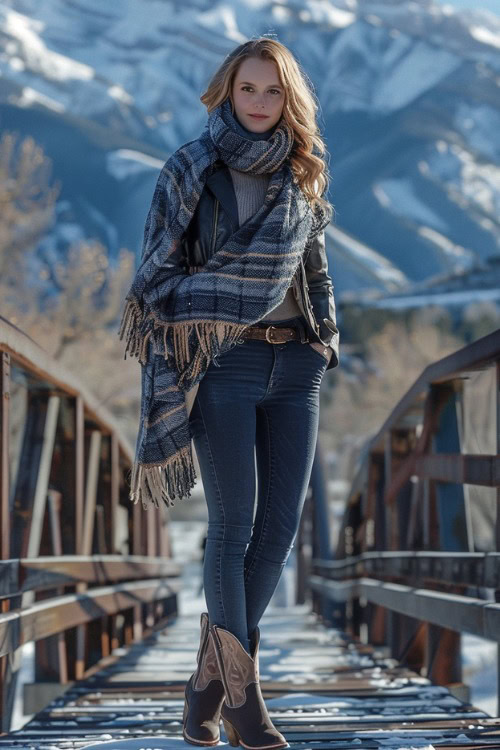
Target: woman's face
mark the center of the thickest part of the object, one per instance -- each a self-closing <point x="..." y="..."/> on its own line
<point x="257" y="90"/>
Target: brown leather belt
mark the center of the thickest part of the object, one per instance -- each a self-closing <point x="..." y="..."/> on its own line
<point x="272" y="334"/>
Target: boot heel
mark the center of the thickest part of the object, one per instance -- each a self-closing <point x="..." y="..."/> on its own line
<point x="231" y="734"/>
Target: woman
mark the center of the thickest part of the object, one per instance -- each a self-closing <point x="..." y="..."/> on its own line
<point x="233" y="317"/>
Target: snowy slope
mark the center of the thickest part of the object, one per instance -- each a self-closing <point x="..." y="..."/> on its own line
<point x="409" y="107"/>
<point x="478" y="285"/>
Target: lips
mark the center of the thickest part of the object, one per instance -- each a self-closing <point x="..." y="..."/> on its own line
<point x="260" y="117"/>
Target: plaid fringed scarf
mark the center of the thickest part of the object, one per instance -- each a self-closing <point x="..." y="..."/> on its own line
<point x="175" y="322"/>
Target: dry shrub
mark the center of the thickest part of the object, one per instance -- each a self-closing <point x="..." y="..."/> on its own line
<point x="394" y="359"/>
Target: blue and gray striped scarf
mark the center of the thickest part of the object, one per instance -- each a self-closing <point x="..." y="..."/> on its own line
<point x="175" y="322"/>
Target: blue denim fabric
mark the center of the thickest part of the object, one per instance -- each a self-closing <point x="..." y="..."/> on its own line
<point x="254" y="424"/>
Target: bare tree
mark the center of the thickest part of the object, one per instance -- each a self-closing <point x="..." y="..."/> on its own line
<point x="77" y="323"/>
<point x="27" y="203"/>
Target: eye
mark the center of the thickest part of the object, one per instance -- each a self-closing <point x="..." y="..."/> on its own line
<point x="243" y="88"/>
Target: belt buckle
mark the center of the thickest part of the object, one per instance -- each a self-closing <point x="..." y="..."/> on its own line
<point x="267" y="332"/>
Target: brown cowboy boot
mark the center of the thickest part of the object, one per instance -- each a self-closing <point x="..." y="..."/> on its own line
<point x="204" y="694"/>
<point x="244" y="713"/>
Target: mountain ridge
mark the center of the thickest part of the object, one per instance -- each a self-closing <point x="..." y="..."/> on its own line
<point x="409" y="110"/>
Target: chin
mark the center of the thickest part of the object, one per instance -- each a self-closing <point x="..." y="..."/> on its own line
<point x="264" y="124"/>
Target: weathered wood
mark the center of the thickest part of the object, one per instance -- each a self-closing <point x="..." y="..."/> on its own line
<point x="4" y="455"/>
<point x="79" y="427"/>
<point x="475" y="356"/>
<point x="460" y="468"/>
<point x="92" y="475"/>
<point x="497" y="523"/>
<point x="51" y="658"/>
<point x="10" y="573"/>
<point x="30" y="357"/>
<point x="461" y="613"/>
<point x="481" y="569"/>
<point x="19" y="576"/>
<point x="114" y="491"/>
<point x="51" y="616"/>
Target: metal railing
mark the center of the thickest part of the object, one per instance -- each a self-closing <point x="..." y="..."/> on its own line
<point x="405" y="572"/>
<point x="82" y="570"/>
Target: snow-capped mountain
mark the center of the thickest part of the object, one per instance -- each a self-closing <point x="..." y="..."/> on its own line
<point x="470" y="291"/>
<point x="409" y="95"/>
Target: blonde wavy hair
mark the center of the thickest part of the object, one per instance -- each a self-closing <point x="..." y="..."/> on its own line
<point x="299" y="110"/>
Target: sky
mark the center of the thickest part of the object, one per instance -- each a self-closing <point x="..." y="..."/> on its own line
<point x="492" y="5"/>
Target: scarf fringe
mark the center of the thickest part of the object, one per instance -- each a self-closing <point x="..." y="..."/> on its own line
<point x="211" y="336"/>
<point x="130" y="327"/>
<point x="174" y="478"/>
<point x="166" y="482"/>
<point x="189" y="360"/>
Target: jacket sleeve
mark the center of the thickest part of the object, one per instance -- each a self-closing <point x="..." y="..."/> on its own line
<point x="321" y="291"/>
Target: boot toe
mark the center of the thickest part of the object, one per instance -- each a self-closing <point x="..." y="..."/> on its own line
<point x="205" y="735"/>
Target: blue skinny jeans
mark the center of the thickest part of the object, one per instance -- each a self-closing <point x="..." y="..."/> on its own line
<point x="254" y="424"/>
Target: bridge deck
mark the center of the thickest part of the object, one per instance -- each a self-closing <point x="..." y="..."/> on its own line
<point x="321" y="690"/>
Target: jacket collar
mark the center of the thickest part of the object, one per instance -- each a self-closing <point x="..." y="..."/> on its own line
<point x="221" y="184"/>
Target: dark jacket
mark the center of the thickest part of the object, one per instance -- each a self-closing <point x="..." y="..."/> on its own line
<point x="216" y="219"/>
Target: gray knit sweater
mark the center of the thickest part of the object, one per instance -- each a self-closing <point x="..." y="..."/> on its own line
<point x="250" y="192"/>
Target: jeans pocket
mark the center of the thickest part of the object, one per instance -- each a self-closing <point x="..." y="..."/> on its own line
<point x="318" y="354"/>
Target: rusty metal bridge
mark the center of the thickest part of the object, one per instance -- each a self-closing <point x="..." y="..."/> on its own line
<point x="368" y="656"/>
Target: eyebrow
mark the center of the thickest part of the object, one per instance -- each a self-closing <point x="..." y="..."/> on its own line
<point x="271" y="85"/>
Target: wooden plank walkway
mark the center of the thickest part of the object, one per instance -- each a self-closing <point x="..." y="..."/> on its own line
<point x="322" y="691"/>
